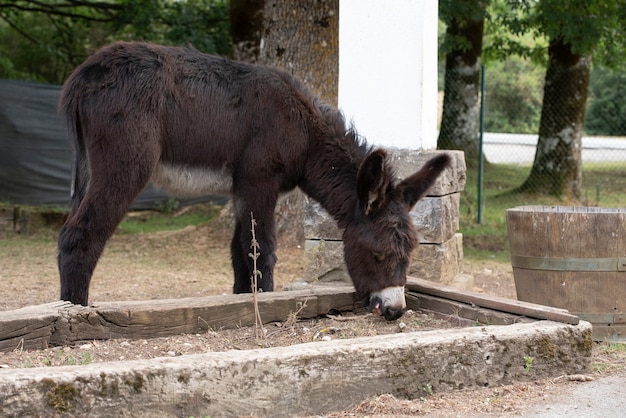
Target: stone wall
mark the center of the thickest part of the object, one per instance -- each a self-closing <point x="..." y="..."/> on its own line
<point x="439" y="256"/>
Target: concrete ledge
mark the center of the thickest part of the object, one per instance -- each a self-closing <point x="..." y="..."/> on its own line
<point x="313" y="378"/>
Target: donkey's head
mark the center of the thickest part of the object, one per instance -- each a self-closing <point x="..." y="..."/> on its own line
<point x="379" y="240"/>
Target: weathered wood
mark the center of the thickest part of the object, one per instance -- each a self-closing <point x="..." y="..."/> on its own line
<point x="60" y="323"/>
<point x="527" y="309"/>
<point x="305" y="379"/>
<point x="30" y="327"/>
<point x="462" y="314"/>
<point x="7" y="221"/>
<point x="570" y="257"/>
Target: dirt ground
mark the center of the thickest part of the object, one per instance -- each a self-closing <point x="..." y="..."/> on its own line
<point x="189" y="262"/>
<point x="179" y="264"/>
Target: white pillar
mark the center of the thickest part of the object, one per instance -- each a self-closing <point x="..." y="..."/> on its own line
<point x="388" y="70"/>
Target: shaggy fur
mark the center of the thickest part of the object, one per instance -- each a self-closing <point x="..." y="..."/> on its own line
<point x="194" y="123"/>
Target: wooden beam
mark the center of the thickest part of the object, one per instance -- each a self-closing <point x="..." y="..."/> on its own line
<point x="530" y="310"/>
<point x="59" y="323"/>
<point x="460" y="314"/>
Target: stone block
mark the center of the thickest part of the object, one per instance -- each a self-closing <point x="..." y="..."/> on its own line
<point x="323" y="261"/>
<point x="436" y="218"/>
<point x="452" y="180"/>
<point x="318" y="224"/>
<point x="438" y="262"/>
<point x="435" y="262"/>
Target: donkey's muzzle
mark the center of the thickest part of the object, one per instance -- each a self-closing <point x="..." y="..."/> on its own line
<point x="392" y="314"/>
<point x="389" y="302"/>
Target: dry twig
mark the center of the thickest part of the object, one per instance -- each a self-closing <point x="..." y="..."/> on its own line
<point x="256" y="274"/>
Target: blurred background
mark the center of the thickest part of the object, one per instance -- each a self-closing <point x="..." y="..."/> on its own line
<point x="534" y="92"/>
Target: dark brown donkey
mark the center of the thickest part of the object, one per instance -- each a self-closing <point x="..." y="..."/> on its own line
<point x="196" y="124"/>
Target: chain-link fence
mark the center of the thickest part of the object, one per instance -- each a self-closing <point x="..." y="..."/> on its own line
<point x="512" y="110"/>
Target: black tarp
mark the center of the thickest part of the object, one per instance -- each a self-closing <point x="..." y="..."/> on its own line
<point x="34" y="149"/>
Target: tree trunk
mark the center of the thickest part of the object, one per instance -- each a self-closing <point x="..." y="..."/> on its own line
<point x="460" y="120"/>
<point x="557" y="168"/>
<point x="301" y="37"/>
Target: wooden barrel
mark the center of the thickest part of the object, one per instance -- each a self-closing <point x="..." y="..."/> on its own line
<point x="572" y="258"/>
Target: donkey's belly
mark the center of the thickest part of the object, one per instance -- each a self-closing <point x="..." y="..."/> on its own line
<point x="185" y="181"/>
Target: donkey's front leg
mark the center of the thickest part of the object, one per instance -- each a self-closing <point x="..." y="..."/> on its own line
<point x="242" y="252"/>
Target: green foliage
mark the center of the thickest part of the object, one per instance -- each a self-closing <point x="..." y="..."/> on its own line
<point x="590" y="27"/>
<point x="528" y="362"/>
<point x="606" y="108"/>
<point x="513" y="94"/>
<point x="203" y="24"/>
<point x="206" y="28"/>
<point x="167" y="206"/>
<point x="149" y="222"/>
<point x="460" y="12"/>
<point x="38" y="47"/>
<point x="44" y="41"/>
<point x="522" y="28"/>
<point x="508" y="32"/>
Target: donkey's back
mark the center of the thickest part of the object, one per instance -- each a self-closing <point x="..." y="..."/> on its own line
<point x="191" y="123"/>
<point x="188" y="111"/>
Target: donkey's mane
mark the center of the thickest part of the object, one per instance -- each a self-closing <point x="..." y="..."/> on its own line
<point x="332" y="173"/>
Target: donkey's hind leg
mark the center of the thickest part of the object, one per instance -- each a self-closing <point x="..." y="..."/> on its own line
<point x="115" y="182"/>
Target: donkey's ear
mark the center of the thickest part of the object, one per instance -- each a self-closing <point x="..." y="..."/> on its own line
<point x="372" y="181"/>
<point x="413" y="188"/>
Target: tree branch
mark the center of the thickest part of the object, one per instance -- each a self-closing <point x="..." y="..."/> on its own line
<point x="61" y="9"/>
<point x="17" y="29"/>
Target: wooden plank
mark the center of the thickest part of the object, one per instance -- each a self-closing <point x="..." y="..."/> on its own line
<point x="609" y="333"/>
<point x="30" y="327"/>
<point x="61" y="323"/>
<point x="461" y="314"/>
<point x="516" y="307"/>
<point x="455" y="320"/>
<point x="305" y="379"/>
<point x="7" y="222"/>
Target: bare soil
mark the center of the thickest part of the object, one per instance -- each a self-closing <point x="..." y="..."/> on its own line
<point x="194" y="261"/>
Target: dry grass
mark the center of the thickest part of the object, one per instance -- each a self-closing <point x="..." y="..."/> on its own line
<point x="193" y="261"/>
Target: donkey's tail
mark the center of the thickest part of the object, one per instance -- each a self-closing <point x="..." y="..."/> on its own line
<point x="80" y="163"/>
